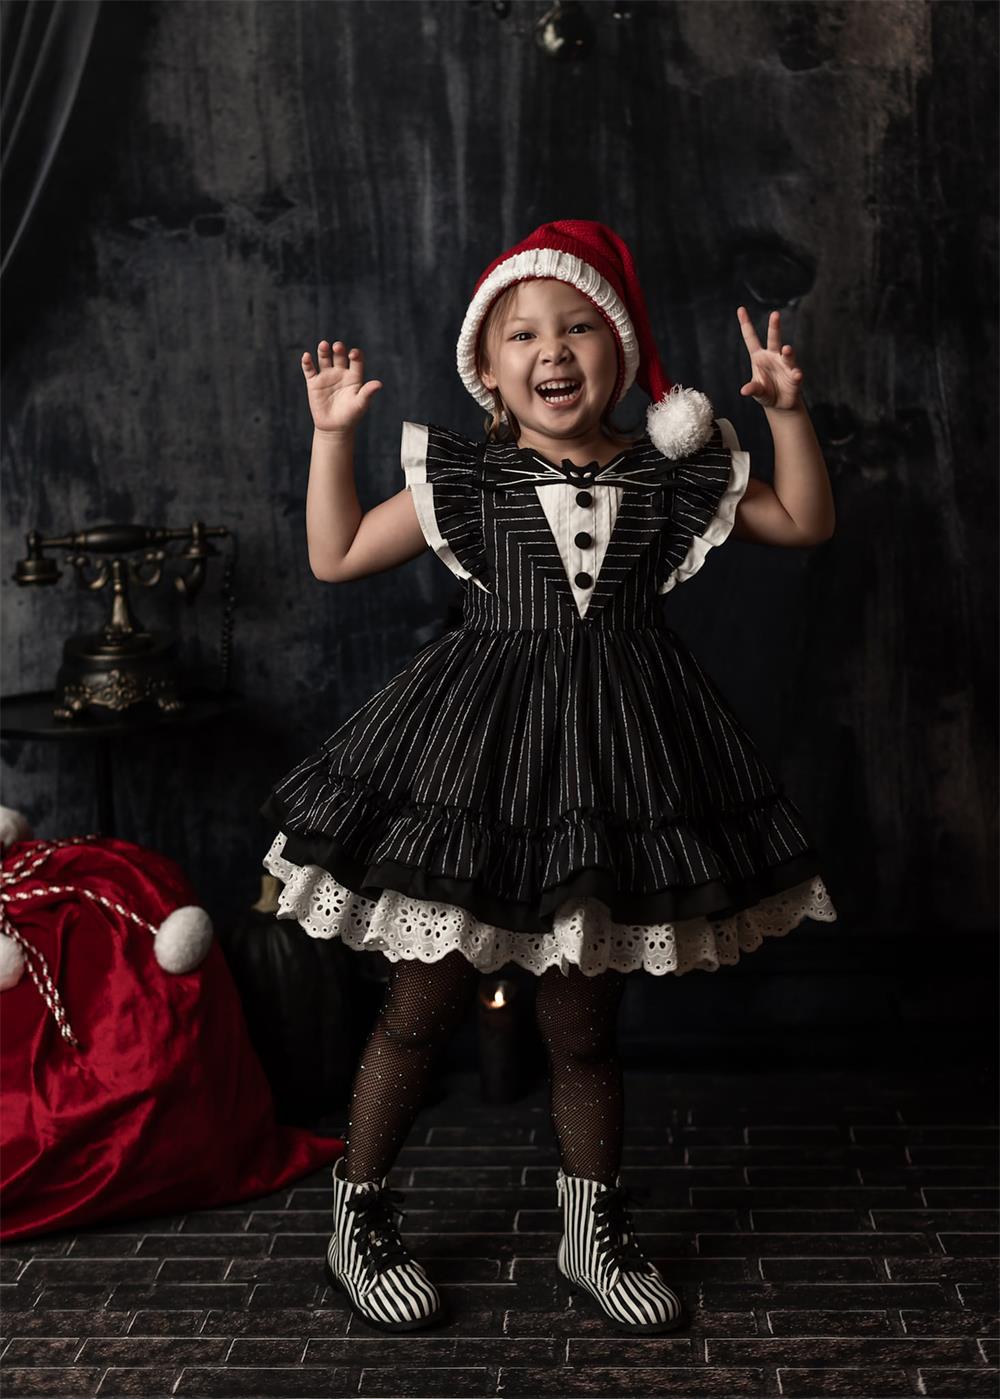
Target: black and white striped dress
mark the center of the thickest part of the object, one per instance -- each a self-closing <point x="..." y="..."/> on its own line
<point x="556" y="780"/>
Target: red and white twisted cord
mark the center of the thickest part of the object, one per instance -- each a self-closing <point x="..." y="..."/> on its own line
<point x="22" y="869"/>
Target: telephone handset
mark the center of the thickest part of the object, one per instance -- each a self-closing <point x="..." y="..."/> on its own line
<point x="107" y="672"/>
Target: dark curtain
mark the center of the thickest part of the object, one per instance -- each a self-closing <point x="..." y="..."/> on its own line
<point x="43" y="51"/>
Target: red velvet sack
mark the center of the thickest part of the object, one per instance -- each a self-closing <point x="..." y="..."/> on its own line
<point x="164" y="1107"/>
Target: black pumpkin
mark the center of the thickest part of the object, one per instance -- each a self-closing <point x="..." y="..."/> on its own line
<point x="308" y="1003"/>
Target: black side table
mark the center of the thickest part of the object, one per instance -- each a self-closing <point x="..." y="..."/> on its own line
<point x="29" y="716"/>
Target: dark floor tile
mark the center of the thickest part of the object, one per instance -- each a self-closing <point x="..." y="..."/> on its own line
<point x="188" y="1298"/>
<point x="193" y="1270"/>
<point x="84" y="1296"/>
<point x="638" y="1382"/>
<point x="825" y="1296"/>
<point x="963" y="1384"/>
<point x="266" y="1352"/>
<point x="43" y="1350"/>
<point x="824" y="1269"/>
<point x="294" y="1381"/>
<point x="858" y="1321"/>
<point x="44" y="1321"/>
<point x="952" y="1321"/>
<point x="801" y="1383"/>
<point x="277" y="1321"/>
<point x="99" y="1245"/>
<point x="943" y="1269"/>
<point x="137" y="1350"/>
<point x="58" y="1380"/>
<point x="147" y="1321"/>
<point x="948" y="1197"/>
<point x="940" y="1220"/>
<point x="615" y="1350"/>
<point x="852" y="1243"/>
<point x="969" y="1245"/>
<point x="44" y="1246"/>
<point x="438" y="1349"/>
<point x="842" y="1352"/>
<point x="976" y="1295"/>
<point x="852" y="1197"/>
<point x="145" y="1381"/>
<point x="188" y="1245"/>
<point x="430" y="1383"/>
<point x="60" y="1272"/>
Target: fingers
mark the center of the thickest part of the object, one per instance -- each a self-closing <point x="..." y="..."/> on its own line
<point x="785" y="352"/>
<point x="774" y="331"/>
<point x="746" y="325"/>
<point x="333" y="356"/>
<point x="750" y="335"/>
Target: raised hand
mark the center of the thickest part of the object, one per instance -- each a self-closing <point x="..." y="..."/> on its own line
<point x="776" y="380"/>
<point x="338" y="395"/>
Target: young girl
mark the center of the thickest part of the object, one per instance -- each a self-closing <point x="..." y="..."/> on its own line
<point x="556" y="782"/>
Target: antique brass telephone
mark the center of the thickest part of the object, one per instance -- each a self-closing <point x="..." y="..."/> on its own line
<point x="107" y="672"/>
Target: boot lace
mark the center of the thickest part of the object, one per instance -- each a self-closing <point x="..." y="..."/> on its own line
<point x="374" y="1231"/>
<point x="615" y="1232"/>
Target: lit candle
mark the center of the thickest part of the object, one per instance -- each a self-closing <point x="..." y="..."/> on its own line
<point x="499" y="1066"/>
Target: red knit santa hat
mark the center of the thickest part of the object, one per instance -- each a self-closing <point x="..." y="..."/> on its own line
<point x="591" y="257"/>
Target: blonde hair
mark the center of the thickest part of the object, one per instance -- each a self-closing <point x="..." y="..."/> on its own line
<point x="502" y="425"/>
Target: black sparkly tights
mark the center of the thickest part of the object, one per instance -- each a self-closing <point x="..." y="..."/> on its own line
<point x="424" y="1004"/>
<point x="578" y="1021"/>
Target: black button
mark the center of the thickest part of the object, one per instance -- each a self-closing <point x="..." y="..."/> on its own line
<point x="584" y="498"/>
<point x="583" y="540"/>
<point x="583" y="580"/>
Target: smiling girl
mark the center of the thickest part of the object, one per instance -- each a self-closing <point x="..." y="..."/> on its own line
<point x="557" y="782"/>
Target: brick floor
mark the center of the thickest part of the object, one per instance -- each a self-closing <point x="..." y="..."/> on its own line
<point x="832" y="1234"/>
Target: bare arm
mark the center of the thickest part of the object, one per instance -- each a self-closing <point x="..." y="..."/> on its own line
<point x="343" y="543"/>
<point x="798" y="511"/>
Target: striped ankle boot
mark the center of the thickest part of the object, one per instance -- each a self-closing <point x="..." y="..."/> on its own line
<point x="366" y="1258"/>
<point x="598" y="1254"/>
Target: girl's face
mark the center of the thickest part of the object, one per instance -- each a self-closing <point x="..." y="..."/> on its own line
<point x="554" y="340"/>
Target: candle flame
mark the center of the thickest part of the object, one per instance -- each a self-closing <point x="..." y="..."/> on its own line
<point x="499" y="999"/>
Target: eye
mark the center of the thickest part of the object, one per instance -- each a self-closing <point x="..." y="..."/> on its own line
<point x="580" y="325"/>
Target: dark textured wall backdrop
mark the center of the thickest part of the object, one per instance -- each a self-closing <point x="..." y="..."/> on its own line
<point x="239" y="180"/>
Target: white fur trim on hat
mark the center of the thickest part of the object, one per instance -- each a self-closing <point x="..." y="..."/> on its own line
<point x="183" y="939"/>
<point x="13" y="826"/>
<point x="564" y="267"/>
<point x="680" y="422"/>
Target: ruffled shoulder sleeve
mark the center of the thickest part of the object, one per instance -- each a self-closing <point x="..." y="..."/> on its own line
<point x="707" y="487"/>
<point x="442" y="470"/>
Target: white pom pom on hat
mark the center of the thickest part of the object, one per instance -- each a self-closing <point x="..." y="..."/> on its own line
<point x="591" y="257"/>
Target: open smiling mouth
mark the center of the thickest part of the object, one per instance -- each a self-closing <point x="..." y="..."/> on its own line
<point x="558" y="393"/>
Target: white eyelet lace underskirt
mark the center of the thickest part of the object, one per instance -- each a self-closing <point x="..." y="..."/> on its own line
<point x="403" y="927"/>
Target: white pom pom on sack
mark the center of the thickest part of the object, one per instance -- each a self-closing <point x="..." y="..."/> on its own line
<point x="183" y="939"/>
<point x="680" y="422"/>
<point x="12" y="962"/>
<point x="13" y="826"/>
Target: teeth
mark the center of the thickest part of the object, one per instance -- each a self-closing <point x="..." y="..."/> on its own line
<point x="569" y="389"/>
